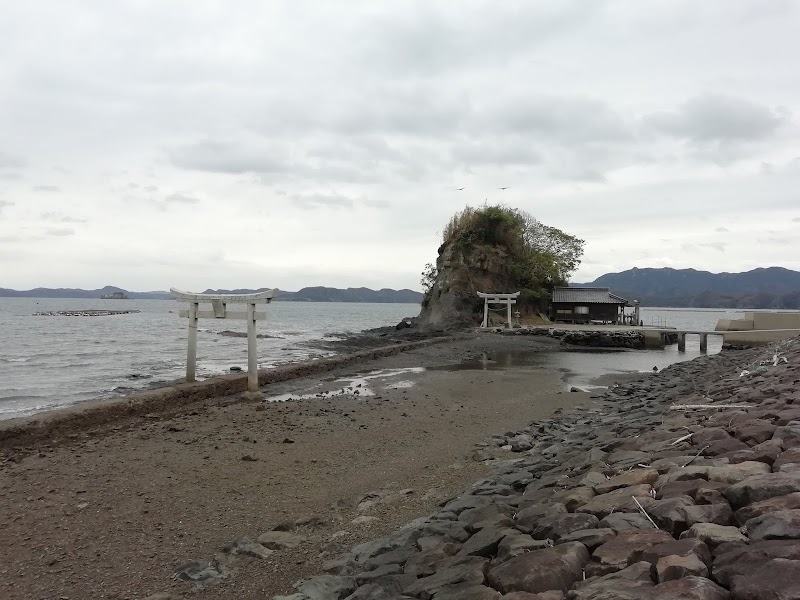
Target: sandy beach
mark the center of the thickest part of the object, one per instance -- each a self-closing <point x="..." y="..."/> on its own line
<point x="112" y="513"/>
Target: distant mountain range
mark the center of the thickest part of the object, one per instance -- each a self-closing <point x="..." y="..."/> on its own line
<point x="773" y="287"/>
<point x="308" y="294"/>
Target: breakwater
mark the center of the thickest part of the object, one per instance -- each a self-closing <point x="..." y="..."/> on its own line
<point x="684" y="484"/>
<point x="84" y="313"/>
<point x="596" y="338"/>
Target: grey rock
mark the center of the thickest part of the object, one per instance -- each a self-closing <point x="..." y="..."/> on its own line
<point x="624" y="521"/>
<point x="690" y="588"/>
<point x="732" y="560"/>
<point x="280" y="540"/>
<point x="520" y="543"/>
<point x="555" y="526"/>
<point x="630" y="583"/>
<point x="470" y="571"/>
<point x="398" y="557"/>
<point x="377" y="573"/>
<point x="714" y="535"/>
<point x="485" y="542"/>
<point x="787" y="502"/>
<point x="246" y="547"/>
<point x="591" y="538"/>
<point x="541" y="570"/>
<point x="626" y="548"/>
<point x="199" y="572"/>
<point x="778" y="578"/>
<point x="761" y="487"/>
<point x="778" y="525"/>
<point x="326" y="587"/>
<point x="466" y="591"/>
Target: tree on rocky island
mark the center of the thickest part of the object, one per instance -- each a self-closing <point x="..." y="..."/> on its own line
<point x="495" y="249"/>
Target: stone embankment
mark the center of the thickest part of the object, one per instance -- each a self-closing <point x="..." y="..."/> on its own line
<point x="656" y="490"/>
<point x="633" y="339"/>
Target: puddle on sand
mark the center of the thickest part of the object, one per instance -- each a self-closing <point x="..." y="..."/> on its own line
<point x="358" y="385"/>
<point x="581" y="368"/>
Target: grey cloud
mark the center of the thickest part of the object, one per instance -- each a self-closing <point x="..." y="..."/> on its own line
<point x="47" y="188"/>
<point x="5" y="204"/>
<point x="778" y="240"/>
<point x="181" y="199"/>
<point x="376" y="203"/>
<point x="314" y="201"/>
<point x="718" y="118"/>
<point x="60" y="231"/>
<point x="722" y="230"/>
<point x="796" y="220"/>
<point x="720" y="246"/>
<point x="444" y="37"/>
<point x="564" y="119"/>
<point x="60" y="218"/>
<point x="516" y="152"/>
<point x="226" y="157"/>
<point x="11" y="161"/>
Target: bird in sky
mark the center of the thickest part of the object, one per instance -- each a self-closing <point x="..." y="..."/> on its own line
<point x="502" y="188"/>
<point x="459" y="189"/>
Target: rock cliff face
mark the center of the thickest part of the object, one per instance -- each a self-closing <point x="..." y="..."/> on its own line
<point x="461" y="273"/>
<point x="452" y="301"/>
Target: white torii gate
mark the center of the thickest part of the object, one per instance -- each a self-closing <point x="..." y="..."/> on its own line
<point x="507" y="299"/>
<point x="219" y="310"/>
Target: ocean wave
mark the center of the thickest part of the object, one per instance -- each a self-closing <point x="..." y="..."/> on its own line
<point x="16" y="360"/>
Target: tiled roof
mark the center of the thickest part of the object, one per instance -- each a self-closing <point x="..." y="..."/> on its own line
<point x="587" y="296"/>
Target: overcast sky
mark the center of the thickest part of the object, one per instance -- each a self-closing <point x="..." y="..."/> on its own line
<point x="289" y="143"/>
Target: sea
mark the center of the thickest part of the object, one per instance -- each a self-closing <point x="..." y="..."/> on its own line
<point x="48" y="362"/>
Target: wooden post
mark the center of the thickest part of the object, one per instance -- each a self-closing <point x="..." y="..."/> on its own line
<point x="191" y="353"/>
<point x="703" y="342"/>
<point x="681" y="342"/>
<point x="252" y="349"/>
<point x="508" y="313"/>
<point x="485" y="312"/>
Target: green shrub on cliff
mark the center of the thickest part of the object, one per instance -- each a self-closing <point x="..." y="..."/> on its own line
<point x="496" y="249"/>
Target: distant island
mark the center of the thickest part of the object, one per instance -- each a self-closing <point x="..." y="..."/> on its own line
<point x="307" y="294"/>
<point x="773" y="287"/>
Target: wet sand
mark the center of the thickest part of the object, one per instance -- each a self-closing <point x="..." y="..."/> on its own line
<point x="112" y="514"/>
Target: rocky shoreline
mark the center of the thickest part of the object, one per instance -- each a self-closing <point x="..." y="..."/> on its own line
<point x="633" y="339"/>
<point x="654" y="490"/>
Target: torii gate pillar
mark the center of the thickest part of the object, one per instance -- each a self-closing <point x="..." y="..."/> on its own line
<point x="219" y="310"/>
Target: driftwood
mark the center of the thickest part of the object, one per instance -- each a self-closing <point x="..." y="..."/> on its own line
<point x="644" y="512"/>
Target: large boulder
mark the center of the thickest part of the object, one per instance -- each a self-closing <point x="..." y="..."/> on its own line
<point x="778" y="578"/>
<point x="739" y="560"/>
<point x="762" y="487"/>
<point x="541" y="570"/>
<point x="626" y="548"/>
<point x="620" y="500"/>
<point x="778" y="525"/>
<point x="631" y="583"/>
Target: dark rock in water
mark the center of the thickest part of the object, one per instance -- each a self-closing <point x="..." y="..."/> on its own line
<point x="236" y="368"/>
<point x="404" y="324"/>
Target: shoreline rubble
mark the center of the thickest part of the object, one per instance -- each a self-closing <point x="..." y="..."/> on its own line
<point x="571" y="515"/>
